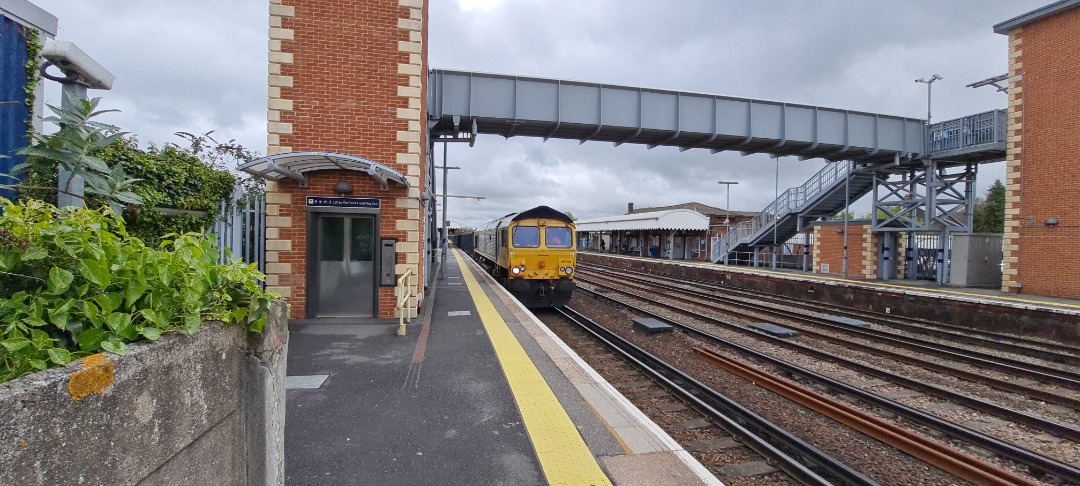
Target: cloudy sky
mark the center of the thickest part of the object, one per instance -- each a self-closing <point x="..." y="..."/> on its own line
<point x="200" y="65"/>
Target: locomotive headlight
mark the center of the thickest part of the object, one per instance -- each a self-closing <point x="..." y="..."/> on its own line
<point x="569" y="270"/>
<point x="516" y="270"/>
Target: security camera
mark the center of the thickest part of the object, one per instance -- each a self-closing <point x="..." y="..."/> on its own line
<point x="77" y="66"/>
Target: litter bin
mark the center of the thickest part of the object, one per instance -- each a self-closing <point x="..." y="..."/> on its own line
<point x="652" y="252"/>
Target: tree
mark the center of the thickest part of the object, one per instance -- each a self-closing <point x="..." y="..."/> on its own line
<point x="844" y="215"/>
<point x="989" y="212"/>
<point x="73" y="146"/>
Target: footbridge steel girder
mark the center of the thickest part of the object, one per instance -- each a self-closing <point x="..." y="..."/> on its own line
<point x="460" y="101"/>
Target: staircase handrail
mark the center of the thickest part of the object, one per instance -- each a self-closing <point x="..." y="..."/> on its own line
<point x="791" y="200"/>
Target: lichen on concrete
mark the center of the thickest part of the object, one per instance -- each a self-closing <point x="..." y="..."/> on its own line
<point x="95" y="377"/>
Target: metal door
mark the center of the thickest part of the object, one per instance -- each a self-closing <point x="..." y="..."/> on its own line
<point x="346" y="266"/>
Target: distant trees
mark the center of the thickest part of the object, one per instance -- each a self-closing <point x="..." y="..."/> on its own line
<point x="989" y="211"/>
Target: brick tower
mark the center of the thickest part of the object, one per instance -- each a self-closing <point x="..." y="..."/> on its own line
<point x="347" y="77"/>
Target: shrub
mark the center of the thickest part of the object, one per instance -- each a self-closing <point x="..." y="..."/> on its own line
<point x="73" y="282"/>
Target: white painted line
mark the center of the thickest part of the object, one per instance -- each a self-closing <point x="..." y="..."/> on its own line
<point x="304" y="381"/>
<point x="458" y="313"/>
<point x="453" y="283"/>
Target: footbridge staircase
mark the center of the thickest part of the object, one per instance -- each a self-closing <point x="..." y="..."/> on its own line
<point x="962" y="142"/>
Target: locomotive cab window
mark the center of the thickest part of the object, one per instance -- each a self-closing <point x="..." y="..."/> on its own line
<point x="557" y="238"/>
<point x="526" y="237"/>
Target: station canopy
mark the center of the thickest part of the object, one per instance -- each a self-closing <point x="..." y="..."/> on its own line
<point x="294" y="165"/>
<point x="674" y="219"/>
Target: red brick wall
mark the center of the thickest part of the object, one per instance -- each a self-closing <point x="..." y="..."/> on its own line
<point x="1049" y="148"/>
<point x="829" y="249"/>
<point x="345" y="83"/>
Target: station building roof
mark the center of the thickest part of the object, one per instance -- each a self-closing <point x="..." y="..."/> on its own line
<point x="1035" y="15"/>
<point x="699" y="207"/>
<point x="674" y="219"/>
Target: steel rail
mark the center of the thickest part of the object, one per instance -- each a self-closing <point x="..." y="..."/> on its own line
<point x="754" y="431"/>
<point x="1055" y="352"/>
<point x="1015" y="368"/>
<point x="1035" y="460"/>
<point x="943" y="457"/>
<point x="1008" y="365"/>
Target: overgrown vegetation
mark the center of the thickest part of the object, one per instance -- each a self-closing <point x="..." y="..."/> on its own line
<point x="170" y="178"/>
<point x="989" y="212"/>
<point x="73" y="282"/>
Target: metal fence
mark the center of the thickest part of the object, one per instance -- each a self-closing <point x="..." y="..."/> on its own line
<point x="241" y="228"/>
<point x="927" y="246"/>
<point x="969" y="131"/>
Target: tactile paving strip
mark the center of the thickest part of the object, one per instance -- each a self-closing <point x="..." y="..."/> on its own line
<point x="562" y="452"/>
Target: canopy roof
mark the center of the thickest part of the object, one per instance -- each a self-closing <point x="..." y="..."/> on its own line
<point x="675" y="219"/>
<point x="294" y="165"/>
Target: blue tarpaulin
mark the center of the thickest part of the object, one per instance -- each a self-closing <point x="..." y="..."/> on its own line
<point x="13" y="110"/>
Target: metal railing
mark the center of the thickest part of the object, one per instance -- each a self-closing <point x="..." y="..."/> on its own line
<point x="241" y="228"/>
<point x="403" y="292"/>
<point x="788" y="202"/>
<point x="969" y="131"/>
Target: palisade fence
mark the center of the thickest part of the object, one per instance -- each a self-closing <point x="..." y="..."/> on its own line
<point x="241" y="228"/>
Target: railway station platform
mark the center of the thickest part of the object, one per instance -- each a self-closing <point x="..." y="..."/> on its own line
<point x="477" y="392"/>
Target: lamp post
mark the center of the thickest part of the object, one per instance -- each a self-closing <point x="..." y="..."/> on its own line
<point x="929" y="88"/>
<point x="727" y="211"/>
<point x="727" y="205"/>
<point x="445" y="231"/>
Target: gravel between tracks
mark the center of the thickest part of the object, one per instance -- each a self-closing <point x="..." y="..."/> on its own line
<point x="878" y="461"/>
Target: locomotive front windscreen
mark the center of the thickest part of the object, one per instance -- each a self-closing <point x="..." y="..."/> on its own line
<point x="558" y="238"/>
<point x="526" y="237"/>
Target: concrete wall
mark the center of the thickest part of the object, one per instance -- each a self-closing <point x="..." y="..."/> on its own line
<point x="202" y="409"/>
<point x="351" y="78"/>
<point x="1043" y="323"/>
<point x="1041" y="179"/>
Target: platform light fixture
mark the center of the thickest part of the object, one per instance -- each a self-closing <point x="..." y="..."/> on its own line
<point x="929" y="82"/>
<point x="727" y="205"/>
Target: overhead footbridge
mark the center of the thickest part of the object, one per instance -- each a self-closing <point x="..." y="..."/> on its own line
<point x="463" y="104"/>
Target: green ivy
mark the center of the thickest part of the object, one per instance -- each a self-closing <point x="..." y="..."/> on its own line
<point x="173" y="178"/>
<point x="169" y="177"/>
<point x="33" y="76"/>
<point x="74" y="282"/>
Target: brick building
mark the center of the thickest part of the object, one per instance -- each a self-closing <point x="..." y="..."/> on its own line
<point x="1042" y="183"/>
<point x="347" y="154"/>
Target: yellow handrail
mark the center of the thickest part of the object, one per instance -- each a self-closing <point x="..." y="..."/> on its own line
<point x="404" y="294"/>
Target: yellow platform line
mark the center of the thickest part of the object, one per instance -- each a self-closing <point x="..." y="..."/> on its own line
<point x="562" y="452"/>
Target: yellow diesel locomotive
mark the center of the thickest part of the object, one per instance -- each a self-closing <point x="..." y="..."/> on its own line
<point x="533" y="254"/>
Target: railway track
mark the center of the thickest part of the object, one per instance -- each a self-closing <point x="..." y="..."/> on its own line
<point x="1021" y="375"/>
<point x="767" y="451"/>
<point x="1019" y="345"/>
<point x="1032" y="461"/>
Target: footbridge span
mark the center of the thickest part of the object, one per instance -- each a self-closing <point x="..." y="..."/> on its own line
<point x="463" y="104"/>
<point x="922" y="177"/>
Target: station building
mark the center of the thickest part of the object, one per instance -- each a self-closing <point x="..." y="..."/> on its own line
<point x="348" y="211"/>
<point x="1042" y="183"/>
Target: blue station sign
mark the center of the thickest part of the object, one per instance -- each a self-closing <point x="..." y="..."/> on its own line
<point x="342" y="202"/>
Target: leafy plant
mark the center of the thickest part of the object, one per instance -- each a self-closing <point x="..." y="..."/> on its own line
<point x="73" y="146"/>
<point x="173" y="178"/>
<point x="73" y="282"/>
